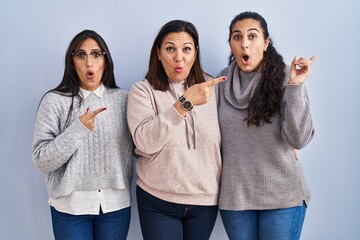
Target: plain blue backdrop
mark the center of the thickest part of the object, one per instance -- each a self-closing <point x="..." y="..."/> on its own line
<point x="34" y="36"/>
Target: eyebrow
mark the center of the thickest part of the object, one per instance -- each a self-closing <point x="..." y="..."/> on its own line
<point x="92" y="50"/>
<point x="174" y="43"/>
<point x="251" y="29"/>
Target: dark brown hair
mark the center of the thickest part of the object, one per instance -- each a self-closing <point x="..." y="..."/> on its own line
<point x="266" y="100"/>
<point x="70" y="83"/>
<point x="156" y="74"/>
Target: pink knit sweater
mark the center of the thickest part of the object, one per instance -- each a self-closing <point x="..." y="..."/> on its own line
<point x="179" y="157"/>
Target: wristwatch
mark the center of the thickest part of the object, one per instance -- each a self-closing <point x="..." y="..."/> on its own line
<point x="187" y="105"/>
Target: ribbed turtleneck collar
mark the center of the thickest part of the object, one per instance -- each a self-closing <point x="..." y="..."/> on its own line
<point x="237" y="94"/>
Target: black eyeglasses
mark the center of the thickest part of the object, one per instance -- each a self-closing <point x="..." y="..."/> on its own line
<point x="95" y="56"/>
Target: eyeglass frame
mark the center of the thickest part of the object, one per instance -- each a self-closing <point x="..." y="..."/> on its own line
<point x="102" y="53"/>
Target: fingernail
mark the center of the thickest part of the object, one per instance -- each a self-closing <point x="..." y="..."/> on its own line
<point x="87" y="109"/>
<point x="104" y="108"/>
<point x="223" y="78"/>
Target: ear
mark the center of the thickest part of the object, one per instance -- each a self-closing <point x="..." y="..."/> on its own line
<point x="267" y="42"/>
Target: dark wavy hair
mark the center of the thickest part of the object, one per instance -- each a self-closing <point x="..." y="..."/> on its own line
<point x="70" y="83"/>
<point x="156" y="74"/>
<point x="266" y="100"/>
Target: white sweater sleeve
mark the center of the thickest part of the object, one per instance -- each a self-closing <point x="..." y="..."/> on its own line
<point x="51" y="147"/>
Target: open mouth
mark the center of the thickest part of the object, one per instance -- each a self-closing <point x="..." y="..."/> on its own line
<point x="90" y="74"/>
<point x="245" y="58"/>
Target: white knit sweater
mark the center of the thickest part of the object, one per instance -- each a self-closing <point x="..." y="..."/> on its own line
<point x="74" y="158"/>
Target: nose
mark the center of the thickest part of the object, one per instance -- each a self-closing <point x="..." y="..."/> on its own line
<point x="178" y="56"/>
<point x="88" y="61"/>
<point x="245" y="43"/>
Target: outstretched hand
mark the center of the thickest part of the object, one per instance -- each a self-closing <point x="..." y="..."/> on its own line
<point x="300" y="69"/>
<point x="200" y="93"/>
<point x="88" y="119"/>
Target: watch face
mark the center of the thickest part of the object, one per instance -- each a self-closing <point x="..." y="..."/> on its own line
<point x="187" y="105"/>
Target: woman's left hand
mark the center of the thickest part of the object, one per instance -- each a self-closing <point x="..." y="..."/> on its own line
<point x="300" y="69"/>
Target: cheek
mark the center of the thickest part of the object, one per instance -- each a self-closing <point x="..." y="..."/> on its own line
<point x="165" y="65"/>
<point x="191" y="57"/>
<point x="261" y="54"/>
<point x="101" y="67"/>
<point x="78" y="71"/>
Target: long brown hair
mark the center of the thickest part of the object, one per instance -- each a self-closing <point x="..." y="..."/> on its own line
<point x="266" y="100"/>
<point x="70" y="83"/>
<point x="156" y="74"/>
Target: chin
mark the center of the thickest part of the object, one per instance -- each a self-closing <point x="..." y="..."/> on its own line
<point x="248" y="68"/>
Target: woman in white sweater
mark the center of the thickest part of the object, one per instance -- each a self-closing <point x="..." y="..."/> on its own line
<point x="83" y="146"/>
<point x="172" y="116"/>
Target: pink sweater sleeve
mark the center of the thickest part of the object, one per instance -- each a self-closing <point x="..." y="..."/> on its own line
<point x="150" y="130"/>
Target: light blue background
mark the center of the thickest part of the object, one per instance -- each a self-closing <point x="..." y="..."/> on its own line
<point x="34" y="36"/>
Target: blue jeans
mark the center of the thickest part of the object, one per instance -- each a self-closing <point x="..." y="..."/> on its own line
<point x="105" y="226"/>
<point x="162" y="220"/>
<point x="279" y="224"/>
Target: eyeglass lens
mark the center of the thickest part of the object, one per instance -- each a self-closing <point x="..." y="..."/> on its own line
<point x="95" y="56"/>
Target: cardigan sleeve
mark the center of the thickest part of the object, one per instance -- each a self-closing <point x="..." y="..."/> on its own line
<point x="150" y="130"/>
<point x="52" y="148"/>
<point x="297" y="125"/>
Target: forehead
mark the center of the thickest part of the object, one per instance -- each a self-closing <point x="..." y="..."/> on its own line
<point x="89" y="44"/>
<point x="178" y="38"/>
<point x="246" y="25"/>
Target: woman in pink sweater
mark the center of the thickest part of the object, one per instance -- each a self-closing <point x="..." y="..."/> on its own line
<point x="172" y="116"/>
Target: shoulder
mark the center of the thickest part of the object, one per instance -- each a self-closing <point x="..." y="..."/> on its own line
<point x="141" y="86"/>
<point x="208" y="77"/>
<point x="117" y="92"/>
<point x="116" y="96"/>
<point x="54" y="104"/>
<point x="54" y="98"/>
<point x="224" y="71"/>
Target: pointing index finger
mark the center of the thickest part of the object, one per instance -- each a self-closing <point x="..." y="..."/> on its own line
<point x="312" y="59"/>
<point x="215" y="81"/>
<point x="97" y="111"/>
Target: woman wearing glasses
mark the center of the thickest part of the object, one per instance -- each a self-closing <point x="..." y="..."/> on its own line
<point x="83" y="146"/>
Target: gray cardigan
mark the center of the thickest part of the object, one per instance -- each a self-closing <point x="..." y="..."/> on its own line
<point x="259" y="169"/>
<point x="74" y="158"/>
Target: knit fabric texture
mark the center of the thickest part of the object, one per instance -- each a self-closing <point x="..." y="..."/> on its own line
<point x="259" y="169"/>
<point x="74" y="158"/>
<point x="179" y="157"/>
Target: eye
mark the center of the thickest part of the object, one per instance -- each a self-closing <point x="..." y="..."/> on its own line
<point x="236" y="37"/>
<point x="187" y="49"/>
<point x="170" y="49"/>
<point x="252" y="36"/>
<point x="96" y="54"/>
<point x="81" y="55"/>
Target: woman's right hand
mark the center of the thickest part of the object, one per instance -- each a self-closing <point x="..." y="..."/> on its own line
<point x="88" y="119"/>
<point x="200" y="93"/>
